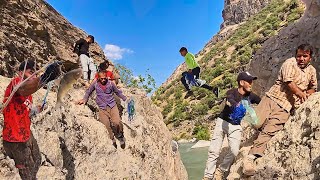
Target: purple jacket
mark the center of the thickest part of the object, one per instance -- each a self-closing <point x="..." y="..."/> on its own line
<point x="104" y="96"/>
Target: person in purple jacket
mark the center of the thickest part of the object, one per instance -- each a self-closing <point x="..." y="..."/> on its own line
<point x="108" y="111"/>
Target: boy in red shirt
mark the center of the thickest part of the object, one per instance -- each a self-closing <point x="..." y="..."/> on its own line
<point x="103" y="68"/>
<point x="18" y="141"/>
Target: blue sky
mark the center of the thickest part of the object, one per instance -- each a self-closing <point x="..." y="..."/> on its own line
<point x="146" y="34"/>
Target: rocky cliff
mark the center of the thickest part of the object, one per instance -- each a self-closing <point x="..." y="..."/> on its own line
<point x="234" y="13"/>
<point x="294" y="153"/>
<point x="74" y="145"/>
<point x="237" y="11"/>
<point x="32" y="29"/>
<point x="228" y="53"/>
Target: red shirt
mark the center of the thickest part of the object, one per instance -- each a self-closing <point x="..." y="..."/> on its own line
<point x="16" y="115"/>
<point x="109" y="74"/>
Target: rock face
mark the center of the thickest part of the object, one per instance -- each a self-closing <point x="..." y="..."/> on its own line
<point x="74" y="145"/>
<point x="237" y="11"/>
<point x="32" y="29"/>
<point x="267" y="62"/>
<point x="294" y="153"/>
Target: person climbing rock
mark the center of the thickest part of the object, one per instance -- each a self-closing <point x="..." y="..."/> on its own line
<point x="81" y="48"/>
<point x="228" y="123"/>
<point x="297" y="80"/>
<point x="109" y="74"/>
<point x="108" y="111"/>
<point x="18" y="141"/>
<point x="194" y="71"/>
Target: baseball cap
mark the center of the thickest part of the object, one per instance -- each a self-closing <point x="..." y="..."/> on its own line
<point x="90" y="36"/>
<point x="246" y="76"/>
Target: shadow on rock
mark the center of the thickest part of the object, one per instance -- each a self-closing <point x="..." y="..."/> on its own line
<point x="316" y="168"/>
<point x="68" y="160"/>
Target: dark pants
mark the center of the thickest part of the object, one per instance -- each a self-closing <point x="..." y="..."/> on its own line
<point x="26" y="156"/>
<point x="196" y="73"/>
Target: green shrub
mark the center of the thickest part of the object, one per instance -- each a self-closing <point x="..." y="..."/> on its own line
<point x="201" y="132"/>
<point x="210" y="100"/>
<point x="200" y="109"/>
<point x="167" y="109"/>
<point x="178" y="92"/>
<point x="200" y="93"/>
<point x="217" y="71"/>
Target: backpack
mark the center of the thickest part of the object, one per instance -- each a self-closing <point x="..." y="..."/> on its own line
<point x="237" y="114"/>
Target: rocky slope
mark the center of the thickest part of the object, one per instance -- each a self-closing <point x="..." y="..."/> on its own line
<point x="74" y="145"/>
<point x="237" y="11"/>
<point x="32" y="29"/>
<point x="234" y="13"/>
<point x="226" y="54"/>
<point x="293" y="153"/>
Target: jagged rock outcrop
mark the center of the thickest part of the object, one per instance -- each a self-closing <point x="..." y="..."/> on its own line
<point x="237" y="11"/>
<point x="32" y="29"/>
<point x="268" y="60"/>
<point x="294" y="153"/>
<point x="74" y="145"/>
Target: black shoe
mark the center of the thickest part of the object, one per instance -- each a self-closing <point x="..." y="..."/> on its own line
<point x="114" y="143"/>
<point x="122" y="142"/>
<point x="189" y="93"/>
<point x="216" y="91"/>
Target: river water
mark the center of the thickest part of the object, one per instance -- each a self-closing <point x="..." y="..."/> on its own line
<point x="194" y="160"/>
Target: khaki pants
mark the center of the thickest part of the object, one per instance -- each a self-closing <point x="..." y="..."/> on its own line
<point x="87" y="64"/>
<point x="233" y="133"/>
<point x="26" y="156"/>
<point x="273" y="117"/>
<point x="111" y="119"/>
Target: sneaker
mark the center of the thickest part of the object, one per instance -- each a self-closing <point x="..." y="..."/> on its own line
<point x="248" y="165"/>
<point x="122" y="142"/>
<point x="114" y="143"/>
<point x="218" y="175"/>
<point x="189" y="93"/>
<point x="216" y="91"/>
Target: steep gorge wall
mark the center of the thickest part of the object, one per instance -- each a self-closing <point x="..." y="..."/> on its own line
<point x="32" y="29"/>
<point x="73" y="144"/>
<point x="237" y="11"/>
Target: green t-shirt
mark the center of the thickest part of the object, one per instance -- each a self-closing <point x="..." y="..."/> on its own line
<point x="190" y="61"/>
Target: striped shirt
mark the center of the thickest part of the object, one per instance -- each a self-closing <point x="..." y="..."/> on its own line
<point x="305" y="79"/>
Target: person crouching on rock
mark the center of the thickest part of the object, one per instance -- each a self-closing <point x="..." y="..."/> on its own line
<point x="18" y="141"/>
<point x="108" y="111"/>
<point x="228" y="123"/>
<point x="194" y="71"/>
<point x="297" y="80"/>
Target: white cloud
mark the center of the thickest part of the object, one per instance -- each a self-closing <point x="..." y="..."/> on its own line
<point x="115" y="52"/>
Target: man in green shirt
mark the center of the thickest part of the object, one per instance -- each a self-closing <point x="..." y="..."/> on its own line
<point x="194" y="69"/>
